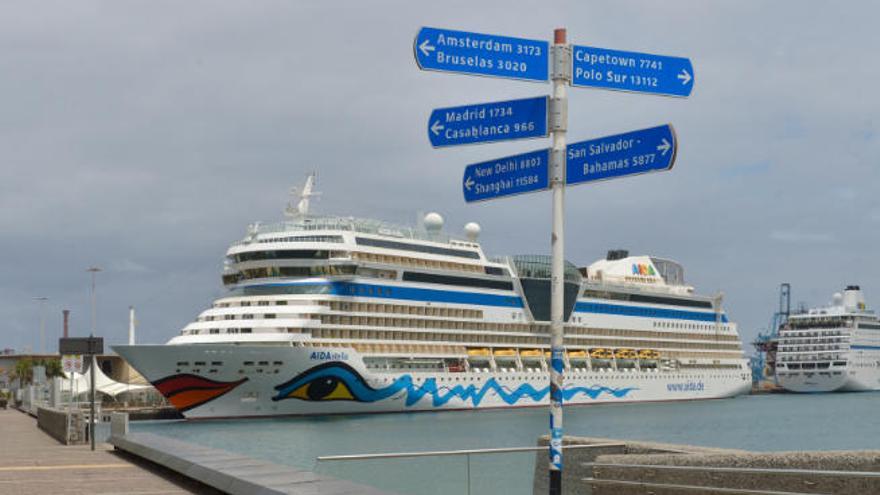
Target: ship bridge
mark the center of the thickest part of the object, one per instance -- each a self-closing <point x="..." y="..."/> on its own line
<point x="534" y="273"/>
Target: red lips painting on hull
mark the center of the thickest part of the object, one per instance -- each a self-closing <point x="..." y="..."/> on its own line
<point x="188" y="391"/>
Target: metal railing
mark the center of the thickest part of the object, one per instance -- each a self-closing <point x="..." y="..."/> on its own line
<point x="465" y="452"/>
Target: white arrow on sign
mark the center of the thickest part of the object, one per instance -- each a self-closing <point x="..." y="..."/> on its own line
<point x="685" y="76"/>
<point x="469" y="183"/>
<point x="664" y="147"/>
<point x="426" y="48"/>
<point x="436" y="127"/>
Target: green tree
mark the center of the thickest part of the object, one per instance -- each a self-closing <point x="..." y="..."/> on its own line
<point x="53" y="367"/>
<point x="24" y="369"/>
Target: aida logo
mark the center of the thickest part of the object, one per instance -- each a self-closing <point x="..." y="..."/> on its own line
<point x="643" y="269"/>
<point x="327" y="355"/>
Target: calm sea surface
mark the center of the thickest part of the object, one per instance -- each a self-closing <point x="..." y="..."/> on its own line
<point x="762" y="423"/>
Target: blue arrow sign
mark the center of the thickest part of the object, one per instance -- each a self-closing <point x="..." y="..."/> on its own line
<point x="631" y="71"/>
<point x="481" y="54"/>
<point x="506" y="176"/>
<point x="486" y="122"/>
<point x="631" y="153"/>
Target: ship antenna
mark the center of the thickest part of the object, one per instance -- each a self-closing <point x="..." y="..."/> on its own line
<point x="300" y="201"/>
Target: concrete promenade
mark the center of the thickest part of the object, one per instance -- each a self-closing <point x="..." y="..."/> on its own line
<point x="32" y="462"/>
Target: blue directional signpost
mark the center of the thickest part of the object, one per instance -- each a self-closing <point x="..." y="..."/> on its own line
<point x="506" y="176"/>
<point x="486" y="122"/>
<point x="631" y="71"/>
<point x="631" y="153"/>
<point x="481" y="54"/>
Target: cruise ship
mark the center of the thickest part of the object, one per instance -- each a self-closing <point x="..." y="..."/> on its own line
<point x="831" y="349"/>
<point x="333" y="315"/>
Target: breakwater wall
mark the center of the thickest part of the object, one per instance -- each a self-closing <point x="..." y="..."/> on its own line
<point x="660" y="468"/>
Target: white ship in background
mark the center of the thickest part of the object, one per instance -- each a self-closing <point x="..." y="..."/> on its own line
<point x="832" y="348"/>
<point x="328" y="314"/>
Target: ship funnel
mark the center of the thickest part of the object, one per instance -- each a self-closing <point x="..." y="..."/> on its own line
<point x="853" y="299"/>
<point x="472" y="231"/>
<point x="617" y="254"/>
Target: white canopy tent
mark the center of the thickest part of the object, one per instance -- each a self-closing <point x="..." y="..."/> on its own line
<point x="78" y="383"/>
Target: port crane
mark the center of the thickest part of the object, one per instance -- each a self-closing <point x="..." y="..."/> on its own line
<point x="764" y="363"/>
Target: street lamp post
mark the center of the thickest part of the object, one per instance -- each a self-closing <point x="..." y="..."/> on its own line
<point x="92" y="423"/>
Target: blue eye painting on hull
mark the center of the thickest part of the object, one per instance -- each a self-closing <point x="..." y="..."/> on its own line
<point x="339" y="381"/>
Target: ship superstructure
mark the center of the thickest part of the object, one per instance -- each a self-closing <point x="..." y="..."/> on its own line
<point x="327" y="314"/>
<point x="832" y="348"/>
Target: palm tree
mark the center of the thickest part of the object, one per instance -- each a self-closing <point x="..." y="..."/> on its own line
<point x="24" y="369"/>
<point x="53" y="368"/>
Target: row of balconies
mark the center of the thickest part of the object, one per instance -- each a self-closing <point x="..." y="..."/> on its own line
<point x="810" y="357"/>
<point x="823" y="340"/>
<point x="807" y="333"/>
<point x="806" y="348"/>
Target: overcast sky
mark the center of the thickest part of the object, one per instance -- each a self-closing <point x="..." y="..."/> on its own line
<point x="143" y="137"/>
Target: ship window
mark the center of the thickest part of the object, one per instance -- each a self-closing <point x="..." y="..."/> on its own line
<point x="494" y="270"/>
<point x="248" y="363"/>
<point x="216" y="363"/>
<point x="245" y="330"/>
<point x="454" y="280"/>
<point x="643" y="298"/>
<point x="269" y="316"/>
<point x="263" y="363"/>
<point x="282" y="254"/>
<point x="382" y="243"/>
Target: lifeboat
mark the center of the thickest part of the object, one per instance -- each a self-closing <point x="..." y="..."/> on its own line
<point x="648" y="354"/>
<point x="478" y="352"/>
<point x="509" y="353"/>
<point x="601" y="353"/>
<point x="530" y="353"/>
<point x="625" y="354"/>
<point x="580" y="354"/>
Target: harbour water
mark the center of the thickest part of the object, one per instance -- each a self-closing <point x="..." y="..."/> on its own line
<point x="758" y="423"/>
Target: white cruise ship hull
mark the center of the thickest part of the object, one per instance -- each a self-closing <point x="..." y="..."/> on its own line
<point x="831" y="349"/>
<point x="216" y="381"/>
<point x="861" y="374"/>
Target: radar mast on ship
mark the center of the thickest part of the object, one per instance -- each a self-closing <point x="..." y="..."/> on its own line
<point x="302" y="198"/>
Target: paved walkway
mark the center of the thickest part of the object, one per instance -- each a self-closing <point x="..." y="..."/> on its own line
<point x="32" y="462"/>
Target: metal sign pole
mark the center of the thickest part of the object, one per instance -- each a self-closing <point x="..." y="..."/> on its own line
<point x="560" y="74"/>
<point x="92" y="423"/>
<point x="93" y="351"/>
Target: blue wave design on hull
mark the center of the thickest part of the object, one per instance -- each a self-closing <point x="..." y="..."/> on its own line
<point x="362" y="392"/>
